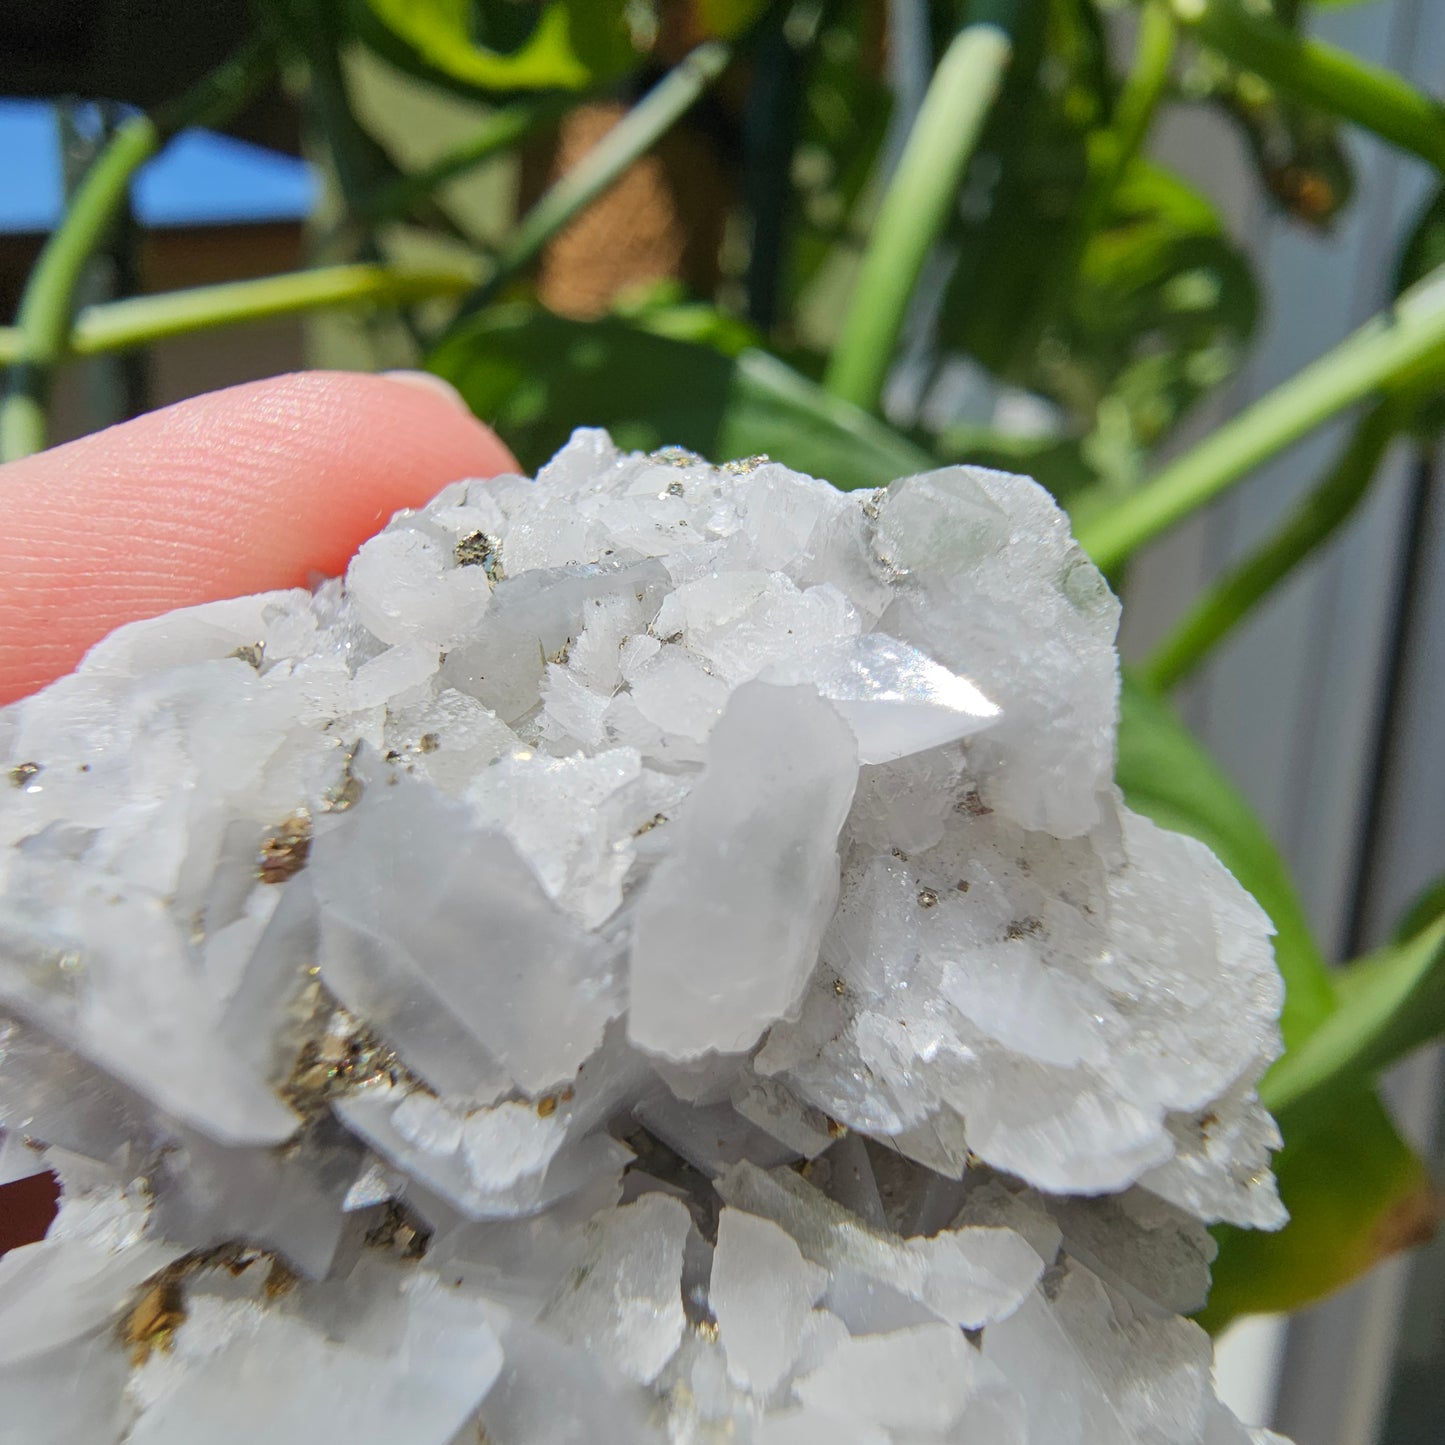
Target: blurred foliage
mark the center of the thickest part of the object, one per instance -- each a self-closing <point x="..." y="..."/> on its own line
<point x="844" y="113"/>
<point x="1297" y="149"/>
<point x="668" y="377"/>
<point x="1422" y="253"/>
<point x="494" y="45"/>
<point x="1078" y="302"/>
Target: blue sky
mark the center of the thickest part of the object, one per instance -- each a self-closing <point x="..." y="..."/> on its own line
<point x="201" y="179"/>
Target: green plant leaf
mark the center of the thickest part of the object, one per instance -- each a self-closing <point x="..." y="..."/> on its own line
<point x="1168" y="776"/>
<point x="1391" y="1002"/>
<point x="1165" y="304"/>
<point x="535" y="376"/>
<point x="1123" y="299"/>
<point x="1100" y="281"/>
<point x="490" y="46"/>
<point x="1022" y="192"/>
<point x="1424" y="909"/>
<point x="1162" y="305"/>
<point x="1356" y="1193"/>
<point x="1424" y="247"/>
<point x="1422" y="253"/>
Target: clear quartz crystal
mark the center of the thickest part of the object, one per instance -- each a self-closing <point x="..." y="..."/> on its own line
<point x="762" y="1292"/>
<point x="654" y="955"/>
<point x="779" y="771"/>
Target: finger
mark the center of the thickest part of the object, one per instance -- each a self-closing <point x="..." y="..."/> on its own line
<point x="255" y="487"/>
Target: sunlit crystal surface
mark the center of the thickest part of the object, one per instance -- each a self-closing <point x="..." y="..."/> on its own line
<point x="655" y="954"/>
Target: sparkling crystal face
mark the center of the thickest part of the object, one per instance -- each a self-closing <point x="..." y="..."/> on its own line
<point x="654" y="954"/>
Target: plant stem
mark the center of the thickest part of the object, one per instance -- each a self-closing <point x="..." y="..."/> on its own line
<point x="915" y="209"/>
<point x="1391" y="1002"/>
<point x="1215" y="614"/>
<point x="633" y="136"/>
<point x="44" y="316"/>
<point x="1386" y="354"/>
<point x="1323" y="76"/>
<point x="143" y="320"/>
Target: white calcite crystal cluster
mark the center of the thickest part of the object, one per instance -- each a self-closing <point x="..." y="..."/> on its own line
<point x="655" y="954"/>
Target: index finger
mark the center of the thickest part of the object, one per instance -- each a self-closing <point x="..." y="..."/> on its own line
<point x="258" y="486"/>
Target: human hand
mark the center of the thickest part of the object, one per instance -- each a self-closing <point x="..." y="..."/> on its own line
<point x="259" y="486"/>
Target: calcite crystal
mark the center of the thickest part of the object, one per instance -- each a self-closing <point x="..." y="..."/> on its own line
<point x="655" y="954"/>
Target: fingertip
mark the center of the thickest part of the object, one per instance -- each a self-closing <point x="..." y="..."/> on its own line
<point x="370" y="445"/>
<point x="259" y="486"/>
<point x="429" y="381"/>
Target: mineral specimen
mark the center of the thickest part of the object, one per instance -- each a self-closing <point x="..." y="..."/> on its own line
<point x="654" y="954"/>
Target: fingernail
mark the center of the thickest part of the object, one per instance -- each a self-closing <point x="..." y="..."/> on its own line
<point x="428" y="381"/>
